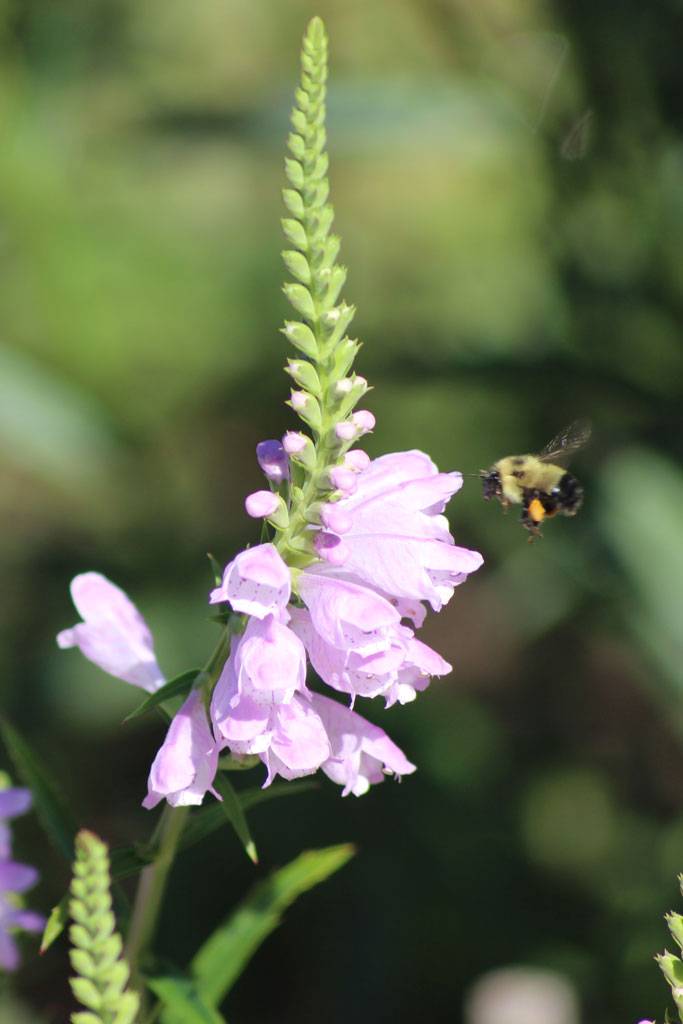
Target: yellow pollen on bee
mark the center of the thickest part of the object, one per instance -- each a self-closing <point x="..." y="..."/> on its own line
<point x="536" y="510"/>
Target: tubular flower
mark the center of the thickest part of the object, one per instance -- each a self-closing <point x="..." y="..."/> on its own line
<point x="15" y="878"/>
<point x="113" y="634"/>
<point x="362" y="753"/>
<point x="404" y="666"/>
<point x="257" y="582"/>
<point x="185" y="765"/>
<point x="399" y="541"/>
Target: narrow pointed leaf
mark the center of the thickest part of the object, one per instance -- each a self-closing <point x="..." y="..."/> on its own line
<point x="212" y="816"/>
<point x="181" y="998"/>
<point x="56" y="923"/>
<point x="56" y="818"/>
<point x="224" y="955"/>
<point x="178" y="687"/>
<point x="232" y="808"/>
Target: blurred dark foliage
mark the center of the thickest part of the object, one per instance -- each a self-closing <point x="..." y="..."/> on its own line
<point x="509" y="191"/>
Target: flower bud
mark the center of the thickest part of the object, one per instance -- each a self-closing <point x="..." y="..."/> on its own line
<point x="671" y="967"/>
<point x="343" y="479"/>
<point x="364" y="420"/>
<point x="331" y="548"/>
<point x="357" y="460"/>
<point x="300" y="448"/>
<point x="335" y="518"/>
<point x="273" y="460"/>
<point x="306" y="407"/>
<point x="345" y="431"/>
<point x="267" y="505"/>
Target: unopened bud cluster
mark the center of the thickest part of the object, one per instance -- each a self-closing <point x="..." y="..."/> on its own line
<point x="312" y="469"/>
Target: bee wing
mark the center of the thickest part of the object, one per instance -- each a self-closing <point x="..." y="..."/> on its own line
<point x="568" y="441"/>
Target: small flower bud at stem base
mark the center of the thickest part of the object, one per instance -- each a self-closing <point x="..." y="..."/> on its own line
<point x="331" y="548"/>
<point x="267" y="505"/>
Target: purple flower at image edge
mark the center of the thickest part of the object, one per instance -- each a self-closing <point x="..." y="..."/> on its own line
<point x="15" y="879"/>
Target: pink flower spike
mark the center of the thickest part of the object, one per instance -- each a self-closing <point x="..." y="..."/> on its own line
<point x="331" y="548"/>
<point x="294" y="442"/>
<point x="261" y="504"/>
<point x="362" y="753"/>
<point x="186" y="763"/>
<point x="273" y="460"/>
<point x="257" y="582"/>
<point x="113" y="634"/>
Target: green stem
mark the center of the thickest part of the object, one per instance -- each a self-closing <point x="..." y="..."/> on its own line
<point x="151" y="887"/>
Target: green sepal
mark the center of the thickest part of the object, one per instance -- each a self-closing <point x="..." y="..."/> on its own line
<point x="180" y="686"/>
<point x="305" y="375"/>
<point x="301" y="337"/>
<point x="234" y="812"/>
<point x="329" y="252"/>
<point x="295" y="232"/>
<point x="82" y="961"/>
<point x="297" y="265"/>
<point x="86" y="992"/>
<point x="344" y="355"/>
<point x="300" y="298"/>
<point x="54" y="814"/>
<point x="294" y="203"/>
<point x="294" y="172"/>
<point x="296" y="145"/>
<point x="671" y="967"/>
<point x="675" y="925"/>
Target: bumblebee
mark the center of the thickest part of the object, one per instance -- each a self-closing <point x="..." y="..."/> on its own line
<point x="539" y="483"/>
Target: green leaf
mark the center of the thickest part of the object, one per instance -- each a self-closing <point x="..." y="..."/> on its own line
<point x="224" y="955"/>
<point x="232" y="808"/>
<point x="51" y="807"/>
<point x="212" y="816"/>
<point x="56" y="923"/>
<point x="216" y="569"/>
<point x="182" y="998"/>
<point x="178" y="687"/>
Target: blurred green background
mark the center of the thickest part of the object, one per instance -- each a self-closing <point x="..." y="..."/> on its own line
<point x="508" y="184"/>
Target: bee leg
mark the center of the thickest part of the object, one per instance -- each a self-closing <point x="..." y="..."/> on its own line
<point x="529" y="523"/>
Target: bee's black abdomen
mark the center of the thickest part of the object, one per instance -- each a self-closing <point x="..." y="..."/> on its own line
<point x="569" y="493"/>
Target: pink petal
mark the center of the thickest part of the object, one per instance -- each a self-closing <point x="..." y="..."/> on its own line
<point x="114" y="635"/>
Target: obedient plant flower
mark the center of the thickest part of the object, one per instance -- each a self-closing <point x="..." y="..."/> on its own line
<point x="186" y="763"/>
<point x="15" y="878"/>
<point x="357" y="548"/>
<point x="113" y="634"/>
